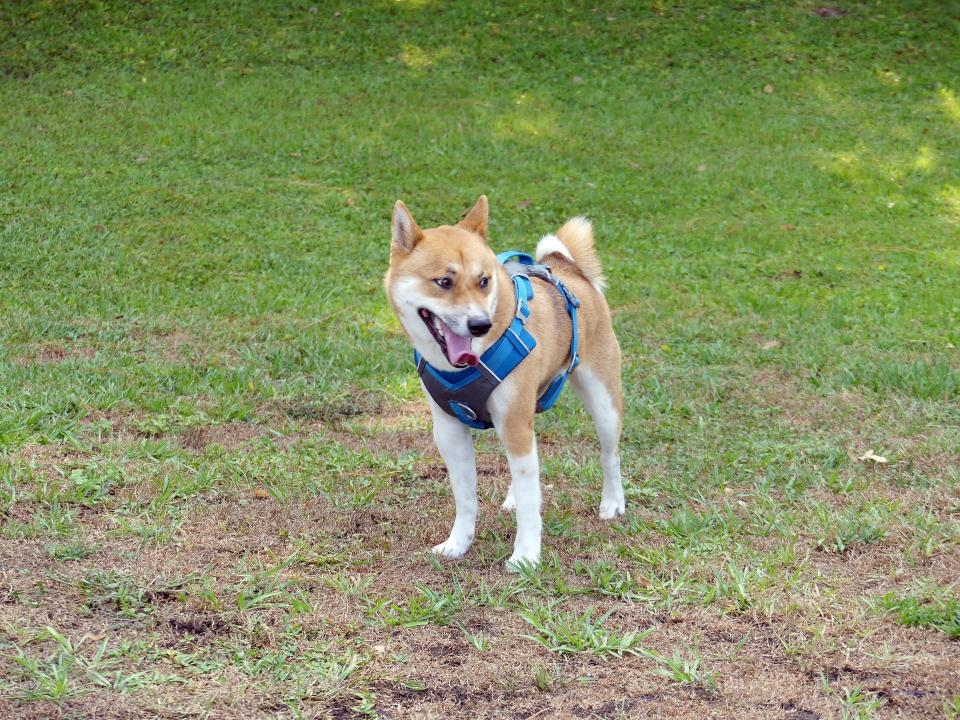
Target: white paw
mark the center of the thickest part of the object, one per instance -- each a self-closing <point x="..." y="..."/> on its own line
<point x="609" y="509"/>
<point x="451" y="548"/>
<point x="509" y="503"/>
<point x="521" y="559"/>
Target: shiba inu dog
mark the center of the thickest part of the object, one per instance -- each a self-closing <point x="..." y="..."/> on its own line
<point x="455" y="300"/>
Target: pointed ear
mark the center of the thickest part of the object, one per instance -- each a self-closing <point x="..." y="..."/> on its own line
<point x="476" y="219"/>
<point x="406" y="232"/>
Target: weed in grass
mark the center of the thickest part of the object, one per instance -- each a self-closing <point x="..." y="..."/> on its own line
<point x="322" y="555"/>
<point x="254" y="599"/>
<point x="351" y="585"/>
<point x="183" y="483"/>
<point x="930" y="606"/>
<point x="664" y="579"/>
<point x="568" y="632"/>
<point x="429" y="607"/>
<point x="636" y="493"/>
<point x="479" y="640"/>
<point x="548" y="679"/>
<point x="855" y="703"/>
<point x="51" y="677"/>
<point x="805" y="643"/>
<point x="68" y="672"/>
<point x="699" y="532"/>
<point x="560" y="525"/>
<point x="919" y="379"/>
<point x="8" y="490"/>
<point x="606" y="579"/>
<point x="929" y="534"/>
<point x="262" y="587"/>
<point x="92" y="482"/>
<point x="497" y="595"/>
<point x="951" y="708"/>
<point x="153" y="530"/>
<point x="737" y="584"/>
<point x="52" y="519"/>
<point x="843" y="530"/>
<point x="366" y="705"/>
<point x="683" y="670"/>
<point x="125" y="595"/>
<point x="314" y="671"/>
<point x="205" y="595"/>
<point x="546" y="579"/>
<point x="842" y="483"/>
<point x="71" y="551"/>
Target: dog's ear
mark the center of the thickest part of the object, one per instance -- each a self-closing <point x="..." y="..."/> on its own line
<point x="406" y="232"/>
<point x="476" y="219"/>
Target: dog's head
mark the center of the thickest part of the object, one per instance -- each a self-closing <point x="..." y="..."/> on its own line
<point x="443" y="284"/>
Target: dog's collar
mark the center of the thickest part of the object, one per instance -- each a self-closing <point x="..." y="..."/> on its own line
<point x="464" y="393"/>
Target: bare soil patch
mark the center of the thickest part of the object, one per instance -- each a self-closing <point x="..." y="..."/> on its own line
<point x="56" y="352"/>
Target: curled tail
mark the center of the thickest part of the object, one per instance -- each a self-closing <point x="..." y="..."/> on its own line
<point x="574" y="241"/>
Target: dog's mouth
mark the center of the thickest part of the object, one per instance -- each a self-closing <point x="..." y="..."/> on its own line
<point x="455" y="347"/>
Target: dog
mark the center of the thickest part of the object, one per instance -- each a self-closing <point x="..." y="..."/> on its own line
<point x="455" y="300"/>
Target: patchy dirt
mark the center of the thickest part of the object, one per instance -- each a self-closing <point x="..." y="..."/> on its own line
<point x="190" y="597"/>
<point x="830" y="11"/>
<point x="790" y="396"/>
<point x="229" y="436"/>
<point x="176" y="345"/>
<point x="55" y="353"/>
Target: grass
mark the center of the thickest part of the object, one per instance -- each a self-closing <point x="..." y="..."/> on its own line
<point x="214" y="458"/>
<point x="934" y="608"/>
<point x="858" y="704"/>
<point x="565" y="632"/>
<point x="682" y="670"/>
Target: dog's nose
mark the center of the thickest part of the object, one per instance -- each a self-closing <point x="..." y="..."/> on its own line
<point x="479" y="326"/>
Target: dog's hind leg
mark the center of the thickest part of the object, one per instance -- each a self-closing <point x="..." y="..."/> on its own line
<point x="603" y="397"/>
<point x="455" y="444"/>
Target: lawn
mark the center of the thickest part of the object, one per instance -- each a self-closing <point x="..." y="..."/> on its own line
<point x="217" y="481"/>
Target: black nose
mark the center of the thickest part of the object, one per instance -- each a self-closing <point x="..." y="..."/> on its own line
<point x="478" y="327"/>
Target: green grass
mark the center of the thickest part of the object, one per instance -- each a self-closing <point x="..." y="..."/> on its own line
<point x="934" y="608"/>
<point x="566" y="632"/>
<point x="682" y="670"/>
<point x="211" y="453"/>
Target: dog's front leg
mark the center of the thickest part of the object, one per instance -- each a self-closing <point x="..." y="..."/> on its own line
<point x="513" y="419"/>
<point x="525" y="471"/>
<point x="455" y="444"/>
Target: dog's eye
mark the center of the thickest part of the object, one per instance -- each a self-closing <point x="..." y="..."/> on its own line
<point x="484" y="281"/>
<point x="444" y="282"/>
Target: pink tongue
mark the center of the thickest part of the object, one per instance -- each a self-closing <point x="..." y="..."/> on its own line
<point x="458" y="348"/>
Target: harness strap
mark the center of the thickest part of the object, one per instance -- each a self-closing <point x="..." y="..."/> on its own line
<point x="464" y="393"/>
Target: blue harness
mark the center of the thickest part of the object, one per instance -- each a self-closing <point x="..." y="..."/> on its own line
<point x="464" y="393"/>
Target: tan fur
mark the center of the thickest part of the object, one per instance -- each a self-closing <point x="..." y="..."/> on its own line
<point x="550" y="325"/>
<point x="462" y="247"/>
<point x="577" y="234"/>
<point x="421" y="256"/>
